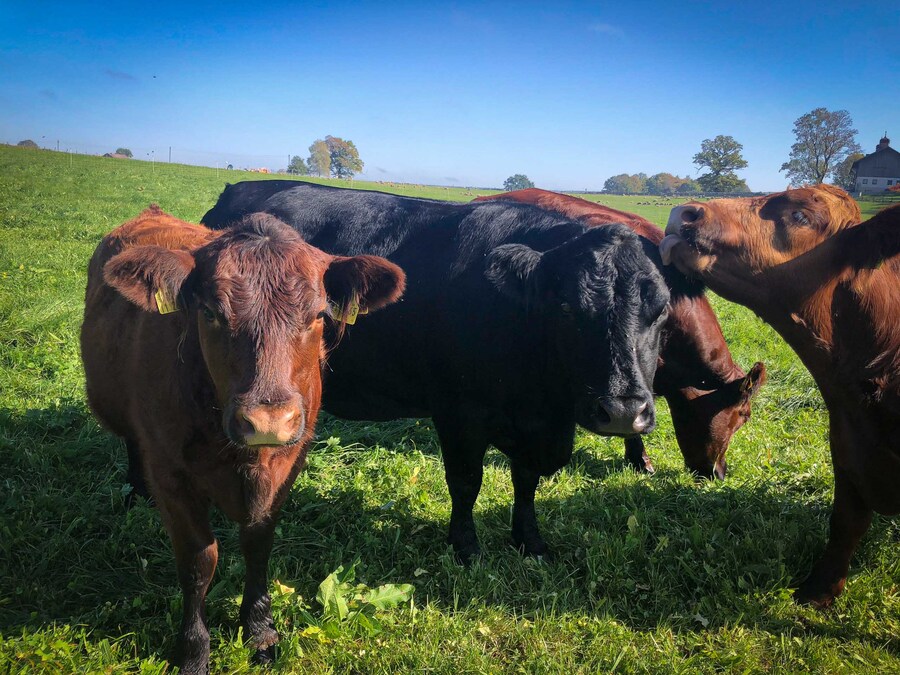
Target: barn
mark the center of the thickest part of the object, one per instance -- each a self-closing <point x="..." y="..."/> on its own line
<point x="878" y="171"/>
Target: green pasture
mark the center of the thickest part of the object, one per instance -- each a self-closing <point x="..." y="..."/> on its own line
<point x="653" y="574"/>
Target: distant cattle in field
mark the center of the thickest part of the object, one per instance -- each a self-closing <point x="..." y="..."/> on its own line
<point x="203" y="351"/>
<point x="707" y="392"/>
<point x="831" y="288"/>
<point x="516" y="325"/>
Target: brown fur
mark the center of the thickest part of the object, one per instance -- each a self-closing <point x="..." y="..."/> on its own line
<point x="218" y="401"/>
<point x="831" y="288"/>
<point x="708" y="393"/>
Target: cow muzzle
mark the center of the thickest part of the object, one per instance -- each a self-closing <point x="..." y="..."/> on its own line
<point x="267" y="423"/>
<point x="624" y="415"/>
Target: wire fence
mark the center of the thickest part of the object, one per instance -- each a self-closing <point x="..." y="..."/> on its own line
<point x="259" y="163"/>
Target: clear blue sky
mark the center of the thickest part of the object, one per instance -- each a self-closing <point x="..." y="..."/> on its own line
<point x="568" y="93"/>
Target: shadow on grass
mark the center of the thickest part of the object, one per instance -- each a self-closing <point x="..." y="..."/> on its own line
<point x="649" y="553"/>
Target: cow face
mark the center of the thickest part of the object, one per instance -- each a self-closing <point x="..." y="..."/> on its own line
<point x="727" y="241"/>
<point x="603" y="305"/>
<point x="259" y="296"/>
<point x="705" y="421"/>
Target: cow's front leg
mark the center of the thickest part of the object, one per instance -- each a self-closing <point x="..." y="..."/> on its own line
<point x="463" y="451"/>
<point x="256" y="606"/>
<point x="636" y="455"/>
<point x="196" y="555"/>
<point x="850" y="518"/>
<point x="526" y="536"/>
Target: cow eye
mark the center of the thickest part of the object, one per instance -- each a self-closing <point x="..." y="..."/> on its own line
<point x="799" y="217"/>
<point x="208" y="314"/>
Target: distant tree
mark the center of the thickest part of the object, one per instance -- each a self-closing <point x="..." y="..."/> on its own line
<point x="344" y="157"/>
<point x="722" y="156"/>
<point x="727" y="182"/>
<point x="824" y="139"/>
<point x="663" y="184"/>
<point x="27" y="144"/>
<point x="626" y="184"/>
<point x="517" y="181"/>
<point x="298" y="166"/>
<point x="689" y="186"/>
<point x="616" y="184"/>
<point x="319" y="161"/>
<point x="844" y="176"/>
<point x="124" y="151"/>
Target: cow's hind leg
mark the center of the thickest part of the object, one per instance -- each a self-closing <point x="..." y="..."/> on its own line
<point x="463" y="452"/>
<point x="636" y="455"/>
<point x="256" y="607"/>
<point x="850" y="518"/>
<point x="526" y="536"/>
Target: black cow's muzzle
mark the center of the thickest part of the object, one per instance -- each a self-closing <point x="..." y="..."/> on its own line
<point x="623" y="415"/>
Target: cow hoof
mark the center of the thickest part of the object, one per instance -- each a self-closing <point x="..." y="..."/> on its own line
<point x="466" y="555"/>
<point x="532" y="547"/>
<point x="264" y="657"/>
<point x="816" y="595"/>
<point x="642" y="466"/>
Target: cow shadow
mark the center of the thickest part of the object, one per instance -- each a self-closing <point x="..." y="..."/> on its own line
<point x="648" y="552"/>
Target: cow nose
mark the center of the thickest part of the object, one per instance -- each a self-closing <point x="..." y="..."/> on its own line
<point x="628" y="415"/>
<point x="683" y="215"/>
<point x="269" y="423"/>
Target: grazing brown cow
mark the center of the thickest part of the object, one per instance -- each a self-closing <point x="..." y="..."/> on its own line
<point x="218" y="400"/>
<point x="707" y="392"/>
<point x="831" y="288"/>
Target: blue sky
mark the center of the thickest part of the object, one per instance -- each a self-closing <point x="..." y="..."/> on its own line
<point x="568" y="93"/>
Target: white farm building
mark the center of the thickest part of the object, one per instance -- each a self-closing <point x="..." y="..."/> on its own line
<point x="879" y="171"/>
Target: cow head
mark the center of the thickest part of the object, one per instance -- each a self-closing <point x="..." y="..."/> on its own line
<point x="728" y="241"/>
<point x="259" y="296"/>
<point x="705" y="420"/>
<point x="603" y="304"/>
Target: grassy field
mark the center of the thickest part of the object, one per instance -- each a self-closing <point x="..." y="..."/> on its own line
<point x="650" y="574"/>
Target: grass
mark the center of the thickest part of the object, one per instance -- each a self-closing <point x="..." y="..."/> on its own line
<point x="656" y="574"/>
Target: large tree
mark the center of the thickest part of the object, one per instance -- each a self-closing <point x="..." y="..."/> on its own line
<point x="722" y="156"/>
<point x="824" y="139"/>
<point x="319" y="159"/>
<point x="843" y="173"/>
<point x="517" y="181"/>
<point x="124" y="151"/>
<point x="344" y="156"/>
<point x="298" y="166"/>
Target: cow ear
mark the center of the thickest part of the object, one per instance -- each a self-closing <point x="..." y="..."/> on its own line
<point x="753" y="381"/>
<point x="146" y="274"/>
<point x="374" y="281"/>
<point x="513" y="269"/>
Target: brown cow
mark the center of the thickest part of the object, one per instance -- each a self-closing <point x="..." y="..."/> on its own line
<point x="831" y="288"/>
<point x="218" y="401"/>
<point x="707" y="392"/>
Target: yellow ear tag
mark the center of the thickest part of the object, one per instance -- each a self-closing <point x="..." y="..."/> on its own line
<point x="166" y="302"/>
<point x="347" y="315"/>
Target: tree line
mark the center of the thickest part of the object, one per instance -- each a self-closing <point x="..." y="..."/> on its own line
<point x="331" y="156"/>
<point x="825" y="148"/>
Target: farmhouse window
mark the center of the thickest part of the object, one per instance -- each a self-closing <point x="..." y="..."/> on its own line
<point x="890" y="182"/>
<point x="865" y="181"/>
<point x="874" y="181"/>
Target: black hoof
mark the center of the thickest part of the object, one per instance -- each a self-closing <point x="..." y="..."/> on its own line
<point x="264" y="657"/>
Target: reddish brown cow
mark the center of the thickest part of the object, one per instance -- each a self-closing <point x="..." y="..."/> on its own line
<point x="831" y="288"/>
<point x="218" y="401"/>
<point x="707" y="392"/>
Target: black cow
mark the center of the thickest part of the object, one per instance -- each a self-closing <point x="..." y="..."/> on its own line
<point x="516" y="325"/>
